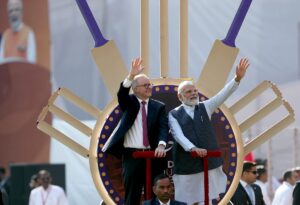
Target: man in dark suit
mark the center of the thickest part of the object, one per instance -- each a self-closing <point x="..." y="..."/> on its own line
<point x="248" y="193"/>
<point x="143" y="126"/>
<point x="296" y="192"/>
<point x="162" y="189"/>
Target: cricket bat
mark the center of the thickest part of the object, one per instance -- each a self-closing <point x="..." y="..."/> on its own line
<point x="105" y="53"/>
<point x="223" y="55"/>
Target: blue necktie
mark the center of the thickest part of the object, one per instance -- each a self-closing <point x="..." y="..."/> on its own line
<point x="250" y="193"/>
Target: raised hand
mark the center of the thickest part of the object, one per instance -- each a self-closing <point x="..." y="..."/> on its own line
<point x="241" y="69"/>
<point x="136" y="67"/>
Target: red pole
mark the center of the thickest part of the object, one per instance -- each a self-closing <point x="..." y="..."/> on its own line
<point x="205" y="166"/>
<point x="148" y="155"/>
<point x="148" y="178"/>
<point x="206" y="186"/>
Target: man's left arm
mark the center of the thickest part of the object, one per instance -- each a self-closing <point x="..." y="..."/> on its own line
<point x="213" y="103"/>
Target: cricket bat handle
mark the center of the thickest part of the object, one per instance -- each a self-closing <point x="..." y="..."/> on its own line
<point x="237" y="23"/>
<point x="91" y="23"/>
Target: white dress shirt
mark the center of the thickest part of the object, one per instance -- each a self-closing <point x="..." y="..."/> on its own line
<point x="54" y="195"/>
<point x="263" y="187"/>
<point x="168" y="203"/>
<point x="284" y="194"/>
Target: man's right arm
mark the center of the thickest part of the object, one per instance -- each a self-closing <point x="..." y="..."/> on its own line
<point x="123" y="94"/>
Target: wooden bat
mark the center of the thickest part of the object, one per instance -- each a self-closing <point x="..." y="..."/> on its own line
<point x="105" y="53"/>
<point x="223" y="55"/>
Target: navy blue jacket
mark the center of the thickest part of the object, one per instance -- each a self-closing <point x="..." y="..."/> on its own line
<point x="157" y="121"/>
<point x="296" y="194"/>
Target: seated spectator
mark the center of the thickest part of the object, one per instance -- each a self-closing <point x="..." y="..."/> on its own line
<point x="163" y="190"/>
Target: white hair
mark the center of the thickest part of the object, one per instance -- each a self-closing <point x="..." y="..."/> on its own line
<point x="182" y="85"/>
<point x="19" y="2"/>
<point x="135" y="79"/>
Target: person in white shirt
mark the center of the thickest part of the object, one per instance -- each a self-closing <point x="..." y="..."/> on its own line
<point x="261" y="179"/>
<point x="192" y="130"/>
<point x="284" y="193"/>
<point x="18" y="41"/>
<point x="47" y="194"/>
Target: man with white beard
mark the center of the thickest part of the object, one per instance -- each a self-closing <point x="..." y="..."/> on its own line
<point x="18" y="41"/>
<point x="192" y="130"/>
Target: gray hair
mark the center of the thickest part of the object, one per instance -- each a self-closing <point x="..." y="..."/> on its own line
<point x="183" y="84"/>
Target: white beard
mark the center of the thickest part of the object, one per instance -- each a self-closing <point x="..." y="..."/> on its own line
<point x="190" y="102"/>
<point x="15" y="25"/>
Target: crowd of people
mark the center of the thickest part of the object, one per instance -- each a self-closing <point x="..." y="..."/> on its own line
<point x="256" y="188"/>
<point x="145" y="125"/>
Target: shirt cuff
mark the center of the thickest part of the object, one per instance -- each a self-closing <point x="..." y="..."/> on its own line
<point x="190" y="148"/>
<point x="127" y="83"/>
<point x="237" y="81"/>
<point x="162" y="143"/>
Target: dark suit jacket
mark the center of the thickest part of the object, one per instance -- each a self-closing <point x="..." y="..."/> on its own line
<point x="155" y="201"/>
<point x="157" y="121"/>
<point x="241" y="197"/>
<point x="296" y="194"/>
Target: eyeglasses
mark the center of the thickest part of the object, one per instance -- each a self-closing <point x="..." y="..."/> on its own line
<point x="146" y="85"/>
<point x="253" y="172"/>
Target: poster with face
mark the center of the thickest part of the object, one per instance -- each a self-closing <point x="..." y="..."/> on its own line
<point x="24" y="32"/>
